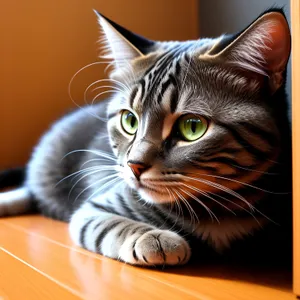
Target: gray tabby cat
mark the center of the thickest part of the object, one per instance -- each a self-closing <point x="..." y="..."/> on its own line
<point x="198" y="151"/>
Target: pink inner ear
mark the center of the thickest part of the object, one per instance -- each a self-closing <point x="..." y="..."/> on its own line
<point x="278" y="46"/>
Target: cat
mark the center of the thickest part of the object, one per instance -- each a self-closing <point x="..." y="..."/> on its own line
<point x="193" y="151"/>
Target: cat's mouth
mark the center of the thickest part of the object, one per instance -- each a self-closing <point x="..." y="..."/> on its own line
<point x="157" y="192"/>
<point x="156" y="189"/>
<point x="159" y="182"/>
<point x="160" y="187"/>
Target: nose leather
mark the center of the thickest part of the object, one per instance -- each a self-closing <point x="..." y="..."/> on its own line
<point x="137" y="168"/>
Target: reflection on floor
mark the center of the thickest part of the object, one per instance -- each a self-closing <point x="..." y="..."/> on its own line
<point x="39" y="261"/>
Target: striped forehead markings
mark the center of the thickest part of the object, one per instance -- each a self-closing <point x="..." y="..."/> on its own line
<point x="159" y="73"/>
<point x="171" y="81"/>
<point x="132" y="96"/>
<point x="159" y="70"/>
<point x="148" y="84"/>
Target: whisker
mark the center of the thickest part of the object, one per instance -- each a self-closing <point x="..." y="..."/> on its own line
<point x="169" y="212"/>
<point x="177" y="204"/>
<point x="109" y="86"/>
<point x="231" y="192"/>
<point x="100" y="94"/>
<point x="232" y="202"/>
<point x="210" y="212"/>
<point x="188" y="206"/>
<point x="105" y="80"/>
<point x="209" y="197"/>
<point x="80" y="70"/>
<point x="77" y="172"/>
<point x="97" y="182"/>
<point x="96" y="152"/>
<point x="222" y="188"/>
<point x="184" y="202"/>
<point x="70" y="84"/>
<point x="242" y="183"/>
<point x="73" y="174"/>
<point x="98" y="170"/>
<point x="107" y="184"/>
<point x="95" y="159"/>
<point x="239" y="206"/>
<point x="256" y="171"/>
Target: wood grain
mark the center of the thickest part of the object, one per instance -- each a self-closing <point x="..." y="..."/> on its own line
<point x="42" y="246"/>
<point x="295" y="21"/>
<point x="17" y="279"/>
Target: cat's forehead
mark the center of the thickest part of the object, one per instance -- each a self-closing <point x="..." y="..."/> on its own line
<point x="158" y="87"/>
<point x="177" y="81"/>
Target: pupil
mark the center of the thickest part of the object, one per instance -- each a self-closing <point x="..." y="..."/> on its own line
<point x="132" y="121"/>
<point x="193" y="126"/>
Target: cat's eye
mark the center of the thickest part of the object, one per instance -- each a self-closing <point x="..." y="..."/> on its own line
<point x="129" y="122"/>
<point x="191" y="127"/>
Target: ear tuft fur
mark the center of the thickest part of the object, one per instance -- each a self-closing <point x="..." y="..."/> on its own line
<point x="119" y="44"/>
<point x="262" y="48"/>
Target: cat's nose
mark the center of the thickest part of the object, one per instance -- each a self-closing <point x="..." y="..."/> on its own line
<point x="137" y="168"/>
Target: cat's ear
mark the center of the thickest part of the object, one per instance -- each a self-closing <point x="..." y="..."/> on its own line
<point x="120" y="44"/>
<point x="262" y="48"/>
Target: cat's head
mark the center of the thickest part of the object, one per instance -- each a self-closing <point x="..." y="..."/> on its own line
<point x="198" y="117"/>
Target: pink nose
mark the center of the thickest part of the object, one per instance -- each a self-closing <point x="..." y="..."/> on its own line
<point x="137" y="168"/>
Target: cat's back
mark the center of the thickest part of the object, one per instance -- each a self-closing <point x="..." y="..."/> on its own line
<point x="58" y="154"/>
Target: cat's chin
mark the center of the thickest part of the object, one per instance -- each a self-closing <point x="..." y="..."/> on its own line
<point x="149" y="194"/>
<point x="152" y="196"/>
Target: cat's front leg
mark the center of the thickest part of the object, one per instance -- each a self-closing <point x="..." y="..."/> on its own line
<point x="127" y="240"/>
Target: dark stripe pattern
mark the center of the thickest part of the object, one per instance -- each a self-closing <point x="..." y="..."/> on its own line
<point x="83" y="232"/>
<point x="107" y="228"/>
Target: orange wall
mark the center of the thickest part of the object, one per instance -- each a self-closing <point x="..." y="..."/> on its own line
<point x="43" y="43"/>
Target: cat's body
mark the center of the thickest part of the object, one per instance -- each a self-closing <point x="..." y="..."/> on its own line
<point x="147" y="192"/>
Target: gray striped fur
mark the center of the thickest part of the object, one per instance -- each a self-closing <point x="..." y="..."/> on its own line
<point x="79" y="170"/>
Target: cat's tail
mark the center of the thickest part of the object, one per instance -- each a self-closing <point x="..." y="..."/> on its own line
<point x="17" y="200"/>
<point x="12" y="177"/>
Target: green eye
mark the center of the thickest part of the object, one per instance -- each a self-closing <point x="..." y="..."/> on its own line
<point x="129" y="122"/>
<point x="192" y="127"/>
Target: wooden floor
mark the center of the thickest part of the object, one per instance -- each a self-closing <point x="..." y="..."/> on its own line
<point x="39" y="261"/>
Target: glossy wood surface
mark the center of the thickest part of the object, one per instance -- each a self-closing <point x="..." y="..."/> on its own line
<point x="38" y="261"/>
<point x="295" y="15"/>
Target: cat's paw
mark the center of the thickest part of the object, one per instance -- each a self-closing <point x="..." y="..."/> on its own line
<point x="156" y="247"/>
